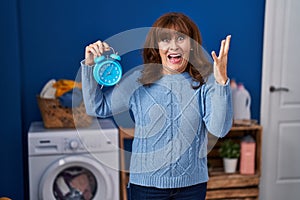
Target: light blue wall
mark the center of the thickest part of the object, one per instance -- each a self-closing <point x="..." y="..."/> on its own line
<point x="46" y="39"/>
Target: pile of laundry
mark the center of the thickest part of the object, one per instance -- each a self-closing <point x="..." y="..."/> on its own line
<point x="68" y="92"/>
<point x="75" y="184"/>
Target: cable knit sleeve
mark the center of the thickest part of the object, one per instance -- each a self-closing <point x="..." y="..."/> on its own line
<point x="217" y="107"/>
<point x="96" y="102"/>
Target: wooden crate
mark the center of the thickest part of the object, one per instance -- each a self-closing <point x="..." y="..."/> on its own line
<point x="220" y="185"/>
<point x="234" y="186"/>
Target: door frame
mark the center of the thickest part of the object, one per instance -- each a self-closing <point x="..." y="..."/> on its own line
<point x="268" y="45"/>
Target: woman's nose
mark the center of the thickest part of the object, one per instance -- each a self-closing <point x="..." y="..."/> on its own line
<point x="173" y="45"/>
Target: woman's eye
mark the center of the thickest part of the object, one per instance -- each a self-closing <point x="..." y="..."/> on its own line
<point x="165" y="40"/>
<point x="180" y="38"/>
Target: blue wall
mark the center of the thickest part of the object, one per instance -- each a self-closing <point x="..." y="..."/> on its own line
<point x="42" y="40"/>
<point x="11" y="163"/>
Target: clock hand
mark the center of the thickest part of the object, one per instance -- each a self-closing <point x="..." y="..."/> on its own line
<point x="109" y="73"/>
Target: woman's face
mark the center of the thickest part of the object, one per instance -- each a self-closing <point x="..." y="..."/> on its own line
<point x="174" y="50"/>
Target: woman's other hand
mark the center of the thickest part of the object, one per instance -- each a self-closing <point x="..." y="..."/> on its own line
<point x="94" y="50"/>
<point x="220" y="62"/>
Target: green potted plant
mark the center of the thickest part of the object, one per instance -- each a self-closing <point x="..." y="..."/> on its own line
<point x="230" y="152"/>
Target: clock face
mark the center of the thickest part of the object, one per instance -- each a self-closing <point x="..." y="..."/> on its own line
<point x="108" y="72"/>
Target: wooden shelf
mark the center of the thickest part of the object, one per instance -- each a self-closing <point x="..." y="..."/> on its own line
<point x="234" y="186"/>
<point x="220" y="185"/>
<point x="223" y="180"/>
<point x="234" y="193"/>
<point x="246" y="128"/>
<point x="124" y="134"/>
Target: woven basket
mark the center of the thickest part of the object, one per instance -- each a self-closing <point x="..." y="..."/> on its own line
<point x="56" y="116"/>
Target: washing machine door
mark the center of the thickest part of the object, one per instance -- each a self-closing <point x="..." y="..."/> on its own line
<point x="76" y="178"/>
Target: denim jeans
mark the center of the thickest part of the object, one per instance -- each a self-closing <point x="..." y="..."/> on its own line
<point x="194" y="192"/>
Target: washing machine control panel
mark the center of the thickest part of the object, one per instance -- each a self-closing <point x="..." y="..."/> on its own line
<point x="60" y="141"/>
<point x="72" y="145"/>
<point x="86" y="143"/>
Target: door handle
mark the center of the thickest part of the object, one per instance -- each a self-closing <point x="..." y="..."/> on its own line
<point x="279" y="89"/>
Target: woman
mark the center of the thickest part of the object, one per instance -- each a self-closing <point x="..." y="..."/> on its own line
<point x="181" y="98"/>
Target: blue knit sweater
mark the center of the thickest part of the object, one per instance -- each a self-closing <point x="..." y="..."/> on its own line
<point x="172" y="121"/>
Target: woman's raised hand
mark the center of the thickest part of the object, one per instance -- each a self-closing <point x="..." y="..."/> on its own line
<point x="94" y="50"/>
<point x="220" y="61"/>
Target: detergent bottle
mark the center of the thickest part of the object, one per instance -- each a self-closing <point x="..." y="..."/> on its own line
<point x="247" y="159"/>
<point x="241" y="103"/>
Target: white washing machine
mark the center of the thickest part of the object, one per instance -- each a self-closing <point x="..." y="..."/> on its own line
<point x="74" y="164"/>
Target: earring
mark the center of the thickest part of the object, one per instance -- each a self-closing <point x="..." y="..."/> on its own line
<point x="192" y="49"/>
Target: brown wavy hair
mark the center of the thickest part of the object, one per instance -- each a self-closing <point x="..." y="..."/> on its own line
<point x="198" y="66"/>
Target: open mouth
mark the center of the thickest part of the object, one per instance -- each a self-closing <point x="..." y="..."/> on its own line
<point x="175" y="58"/>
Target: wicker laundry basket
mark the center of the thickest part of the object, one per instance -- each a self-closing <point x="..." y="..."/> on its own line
<point x="56" y="116"/>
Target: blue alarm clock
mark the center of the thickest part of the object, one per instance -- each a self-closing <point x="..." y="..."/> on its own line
<point x="107" y="70"/>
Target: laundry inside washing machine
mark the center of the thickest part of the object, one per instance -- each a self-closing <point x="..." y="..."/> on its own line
<point x="75" y="183"/>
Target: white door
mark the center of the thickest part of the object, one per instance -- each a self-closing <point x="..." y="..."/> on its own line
<point x="280" y="108"/>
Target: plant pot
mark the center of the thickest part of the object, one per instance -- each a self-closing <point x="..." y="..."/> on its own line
<point x="230" y="165"/>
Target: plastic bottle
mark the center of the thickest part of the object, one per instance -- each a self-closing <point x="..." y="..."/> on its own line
<point x="241" y="103"/>
<point x="247" y="160"/>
